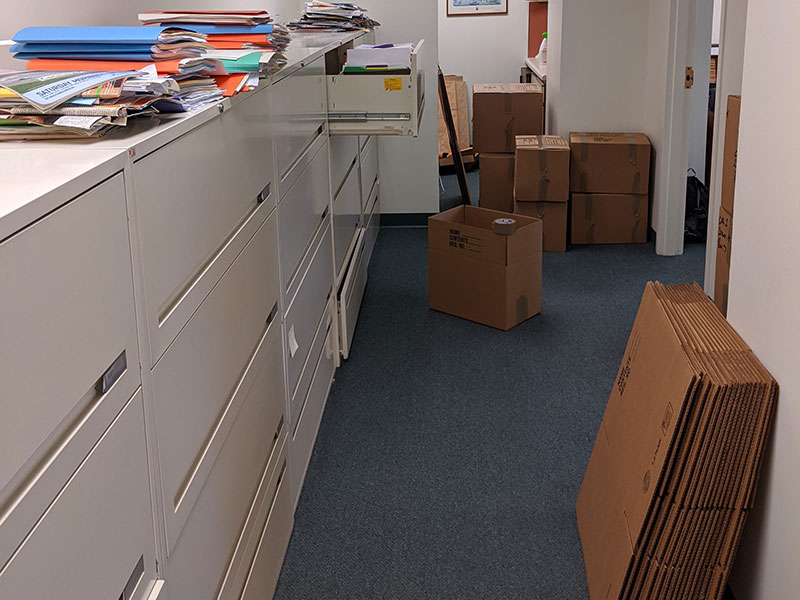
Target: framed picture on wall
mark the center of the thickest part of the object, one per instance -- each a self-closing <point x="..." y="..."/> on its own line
<point x="476" y="7"/>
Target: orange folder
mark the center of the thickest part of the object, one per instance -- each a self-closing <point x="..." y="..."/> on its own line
<point x="229" y="84"/>
<point x="163" y="67"/>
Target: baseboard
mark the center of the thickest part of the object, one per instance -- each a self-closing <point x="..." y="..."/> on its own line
<point x="405" y="219"/>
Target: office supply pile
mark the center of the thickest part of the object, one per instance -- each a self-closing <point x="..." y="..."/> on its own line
<point x="333" y="16"/>
<point x="87" y="81"/>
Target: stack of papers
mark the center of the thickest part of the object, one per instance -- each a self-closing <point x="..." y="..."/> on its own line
<point x="232" y="30"/>
<point x="218" y="17"/>
<point x="395" y="58"/>
<point x="336" y="16"/>
<point x="108" y="43"/>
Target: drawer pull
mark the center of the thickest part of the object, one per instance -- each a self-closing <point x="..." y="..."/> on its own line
<point x="263" y="194"/>
<point x="112" y="374"/>
<point x="293" y="345"/>
<point x="272" y="314"/>
<point x="133" y="581"/>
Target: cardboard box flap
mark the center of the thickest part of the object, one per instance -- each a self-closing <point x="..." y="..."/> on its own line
<point x="639" y="139"/>
<point x="488" y="88"/>
<point x="525" y="88"/>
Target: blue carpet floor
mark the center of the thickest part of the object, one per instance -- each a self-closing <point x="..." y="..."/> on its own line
<point x="450" y="455"/>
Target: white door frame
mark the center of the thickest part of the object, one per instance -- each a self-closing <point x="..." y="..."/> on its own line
<point x="670" y="184"/>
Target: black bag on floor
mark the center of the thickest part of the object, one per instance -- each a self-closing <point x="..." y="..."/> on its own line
<point x="696" y="224"/>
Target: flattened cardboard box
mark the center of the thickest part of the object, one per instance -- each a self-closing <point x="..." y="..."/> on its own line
<point x="457" y="95"/>
<point x="497" y="182"/>
<point x="554" y="222"/>
<point x="703" y="474"/>
<point x="722" y="272"/>
<point x="730" y="152"/>
<point x="482" y="276"/>
<point x="609" y="219"/>
<point x="500" y="112"/>
<point x="542" y="169"/>
<point x="609" y="163"/>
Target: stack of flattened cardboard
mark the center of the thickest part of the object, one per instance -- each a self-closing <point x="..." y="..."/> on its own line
<point x="541" y="185"/>
<point x="609" y="181"/>
<point x="457" y="95"/>
<point x="501" y="112"/>
<point x="673" y="473"/>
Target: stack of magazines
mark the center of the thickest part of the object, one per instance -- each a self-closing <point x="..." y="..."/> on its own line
<point x="85" y="104"/>
<point x="334" y="16"/>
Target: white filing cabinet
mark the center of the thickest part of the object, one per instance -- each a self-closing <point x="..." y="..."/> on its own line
<point x="71" y="415"/>
<point x="169" y="332"/>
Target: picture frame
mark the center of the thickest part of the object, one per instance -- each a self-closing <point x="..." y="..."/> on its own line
<point x="461" y="8"/>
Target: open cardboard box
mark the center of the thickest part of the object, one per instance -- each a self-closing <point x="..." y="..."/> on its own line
<point x="477" y="274"/>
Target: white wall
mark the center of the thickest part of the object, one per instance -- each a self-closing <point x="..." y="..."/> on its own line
<point x="765" y="286"/>
<point x="601" y="53"/>
<point x="409" y="166"/>
<point x="486" y="48"/>
<point x="733" y="15"/>
<point x="112" y="12"/>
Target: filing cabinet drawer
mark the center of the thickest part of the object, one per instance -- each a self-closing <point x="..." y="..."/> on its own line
<point x="307" y="425"/>
<point x="344" y="152"/>
<point x="200" y="384"/>
<point x="346" y="217"/>
<point x="369" y="170"/>
<point x="69" y="358"/>
<point x="266" y="568"/>
<point x="307" y="307"/>
<point x="373" y="228"/>
<point x="299" y="111"/>
<point x="351" y="294"/>
<point x="303" y="209"/>
<point x="96" y="539"/>
<point x="378" y="104"/>
<point x="298" y="397"/>
<point x="220" y="524"/>
<point x="199" y="199"/>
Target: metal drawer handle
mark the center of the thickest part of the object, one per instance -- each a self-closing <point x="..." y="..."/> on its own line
<point x="263" y="194"/>
<point x="272" y="314"/>
<point x="133" y="581"/>
<point x="112" y="374"/>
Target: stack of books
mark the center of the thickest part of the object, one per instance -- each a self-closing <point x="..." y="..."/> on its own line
<point x="334" y="16"/>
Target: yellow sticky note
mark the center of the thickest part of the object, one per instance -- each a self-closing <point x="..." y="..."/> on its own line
<point x="393" y="84"/>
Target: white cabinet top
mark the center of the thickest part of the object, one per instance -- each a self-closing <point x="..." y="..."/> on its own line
<point x="39" y="176"/>
<point x="35" y="181"/>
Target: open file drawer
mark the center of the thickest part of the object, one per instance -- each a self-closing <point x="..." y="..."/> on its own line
<point x="378" y="104"/>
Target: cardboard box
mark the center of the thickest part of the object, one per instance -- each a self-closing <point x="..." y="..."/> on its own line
<point x="500" y="112"/>
<point x="610" y="163"/>
<point x="541" y="169"/>
<point x="554" y="222"/>
<point x="676" y="461"/>
<point x="723" y="270"/>
<point x="609" y="219"/>
<point x="497" y="182"/>
<point x="482" y="276"/>
<point x="730" y="152"/>
<point x="457" y="95"/>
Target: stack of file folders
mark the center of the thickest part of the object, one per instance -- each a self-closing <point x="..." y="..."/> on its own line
<point x="674" y="470"/>
<point x="334" y="16"/>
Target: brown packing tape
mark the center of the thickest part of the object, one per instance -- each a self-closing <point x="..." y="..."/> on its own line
<point x="511" y="168"/>
<point x="635" y="232"/>
<point x="544" y="184"/>
<point x="590" y="235"/>
<point x="504" y="226"/>
<point x="507" y="103"/>
<point x="522" y="308"/>
<point x="540" y="206"/>
<point x="584" y="151"/>
<point x="589" y="210"/>
<point x="510" y="138"/>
